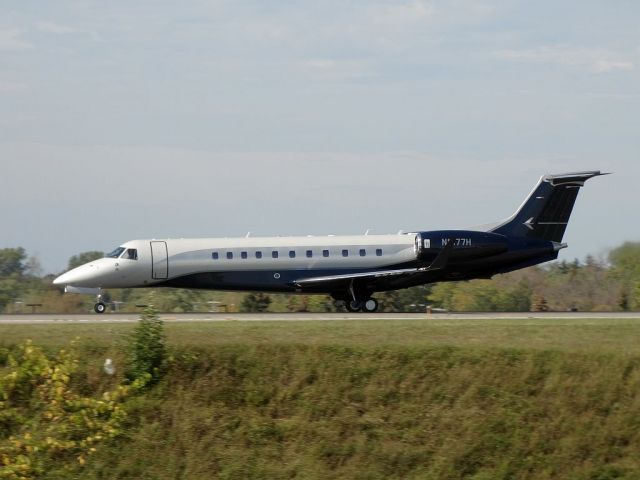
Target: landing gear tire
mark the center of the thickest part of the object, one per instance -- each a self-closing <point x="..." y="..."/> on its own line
<point x="370" y="305"/>
<point x="99" y="307"/>
<point x="353" y="306"/>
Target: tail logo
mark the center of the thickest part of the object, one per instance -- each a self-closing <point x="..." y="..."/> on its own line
<point x="529" y="223"/>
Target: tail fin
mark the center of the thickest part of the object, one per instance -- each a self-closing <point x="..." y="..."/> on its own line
<point x="546" y="211"/>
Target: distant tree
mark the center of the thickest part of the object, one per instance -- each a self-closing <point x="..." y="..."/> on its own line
<point x="298" y="303"/>
<point x="412" y="299"/>
<point x="505" y="293"/>
<point x="625" y="262"/>
<point x="255" y="302"/>
<point x="84" y="257"/>
<point x="584" y="286"/>
<point x="625" y="266"/>
<point x="540" y="304"/>
<point x="12" y="270"/>
<point x="624" y="302"/>
<point x="32" y="267"/>
<point x="12" y="261"/>
<point x="320" y="303"/>
<point x="442" y="295"/>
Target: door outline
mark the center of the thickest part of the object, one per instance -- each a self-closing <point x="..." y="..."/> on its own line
<point x="161" y="270"/>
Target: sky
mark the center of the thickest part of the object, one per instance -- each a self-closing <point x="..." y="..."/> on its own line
<point x="160" y="119"/>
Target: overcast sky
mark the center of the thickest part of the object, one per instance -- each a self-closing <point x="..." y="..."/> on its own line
<point x="123" y="120"/>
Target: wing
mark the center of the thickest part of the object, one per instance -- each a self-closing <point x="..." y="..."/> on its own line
<point x="439" y="263"/>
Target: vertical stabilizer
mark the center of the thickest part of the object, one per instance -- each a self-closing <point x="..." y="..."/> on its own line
<point x="545" y="213"/>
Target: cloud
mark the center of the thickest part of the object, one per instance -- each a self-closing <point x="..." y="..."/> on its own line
<point x="12" y="87"/>
<point x="597" y="60"/>
<point x="397" y="18"/>
<point x="10" y="41"/>
<point x="54" y="28"/>
<point x="409" y="12"/>
<point x="608" y="65"/>
<point x="331" y="69"/>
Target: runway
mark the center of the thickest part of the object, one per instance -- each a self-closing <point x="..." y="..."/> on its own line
<point x="62" y="318"/>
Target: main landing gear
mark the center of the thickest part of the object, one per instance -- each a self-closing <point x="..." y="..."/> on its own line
<point x="368" y="305"/>
<point x="100" y="306"/>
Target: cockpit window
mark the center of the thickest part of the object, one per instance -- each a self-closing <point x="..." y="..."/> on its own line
<point x="116" y="253"/>
<point x="131" y="254"/>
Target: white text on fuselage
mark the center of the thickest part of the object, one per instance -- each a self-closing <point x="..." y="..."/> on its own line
<point x="458" y="242"/>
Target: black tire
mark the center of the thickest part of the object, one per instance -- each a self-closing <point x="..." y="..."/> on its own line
<point x="100" y="307"/>
<point x="353" y="306"/>
<point x="370" y="305"/>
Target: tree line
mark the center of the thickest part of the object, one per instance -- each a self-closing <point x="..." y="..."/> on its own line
<point x="606" y="284"/>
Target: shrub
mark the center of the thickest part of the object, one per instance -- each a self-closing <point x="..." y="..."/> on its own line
<point x="147" y="348"/>
<point x="46" y="425"/>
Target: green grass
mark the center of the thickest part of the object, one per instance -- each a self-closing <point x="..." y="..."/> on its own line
<point x="620" y="336"/>
<point x="316" y="412"/>
<point x="419" y="399"/>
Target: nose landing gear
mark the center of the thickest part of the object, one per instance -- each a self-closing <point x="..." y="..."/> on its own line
<point x="100" y="306"/>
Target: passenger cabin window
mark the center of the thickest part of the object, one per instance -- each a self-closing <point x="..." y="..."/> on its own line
<point x="244" y="255"/>
<point x="292" y="254"/>
<point x="378" y="252"/>
<point x="116" y="253"/>
<point x="215" y="255"/>
<point x="131" y="254"/>
<point x="345" y="253"/>
<point x="325" y="253"/>
<point x="274" y="254"/>
<point x="309" y="254"/>
<point x="258" y="254"/>
<point x="229" y="255"/>
<point x="363" y="252"/>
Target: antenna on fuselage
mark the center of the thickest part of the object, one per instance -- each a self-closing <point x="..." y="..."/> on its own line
<point x="247" y="235"/>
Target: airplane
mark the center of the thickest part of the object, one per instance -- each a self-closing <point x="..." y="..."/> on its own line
<point x="348" y="268"/>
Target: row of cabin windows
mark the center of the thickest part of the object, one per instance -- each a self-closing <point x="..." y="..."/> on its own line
<point x="292" y="254"/>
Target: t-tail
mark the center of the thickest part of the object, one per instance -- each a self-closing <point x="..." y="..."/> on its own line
<point x="545" y="213"/>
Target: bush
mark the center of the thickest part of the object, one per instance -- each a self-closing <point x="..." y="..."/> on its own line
<point x="147" y="348"/>
<point x="46" y="426"/>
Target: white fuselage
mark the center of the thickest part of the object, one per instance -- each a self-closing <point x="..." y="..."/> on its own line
<point x="349" y="268"/>
<point x="161" y="261"/>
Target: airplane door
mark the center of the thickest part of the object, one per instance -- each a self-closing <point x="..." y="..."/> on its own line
<point x="159" y="261"/>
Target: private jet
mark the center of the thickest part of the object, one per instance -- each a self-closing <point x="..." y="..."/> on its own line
<point x="351" y="269"/>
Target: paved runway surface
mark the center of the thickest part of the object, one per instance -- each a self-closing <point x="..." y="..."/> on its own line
<point x="256" y="317"/>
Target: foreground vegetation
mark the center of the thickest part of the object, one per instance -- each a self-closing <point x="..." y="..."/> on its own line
<point x="611" y="284"/>
<point x="500" y="399"/>
<point x="615" y="336"/>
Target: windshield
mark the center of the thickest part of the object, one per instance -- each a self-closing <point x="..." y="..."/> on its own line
<point x="116" y="253"/>
<point x="132" y="254"/>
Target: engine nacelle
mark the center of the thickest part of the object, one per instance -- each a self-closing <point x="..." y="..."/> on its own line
<point x="467" y="244"/>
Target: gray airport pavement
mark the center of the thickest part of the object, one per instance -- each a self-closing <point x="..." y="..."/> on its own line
<point x="257" y="317"/>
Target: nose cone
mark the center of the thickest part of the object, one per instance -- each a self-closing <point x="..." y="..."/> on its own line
<point x="83" y="276"/>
